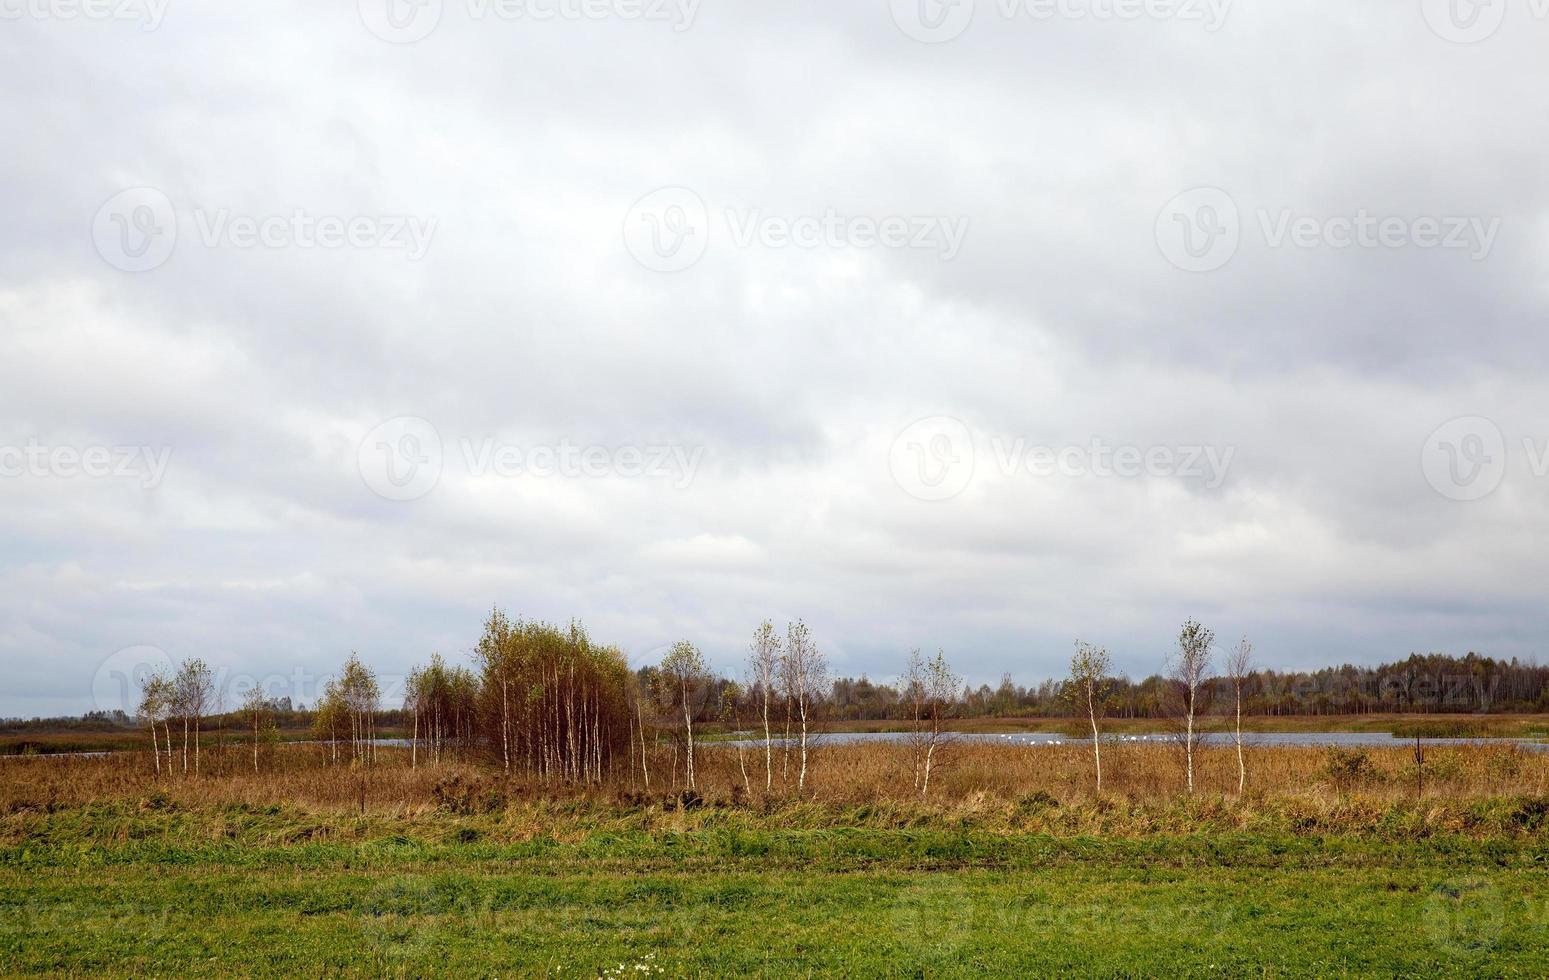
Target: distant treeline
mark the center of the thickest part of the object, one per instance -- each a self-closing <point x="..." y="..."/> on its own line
<point x="1432" y="683"/>
<point x="1421" y="683"/>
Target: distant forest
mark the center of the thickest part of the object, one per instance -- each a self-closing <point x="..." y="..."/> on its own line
<point x="1430" y="683"/>
<point x="1421" y="683"/>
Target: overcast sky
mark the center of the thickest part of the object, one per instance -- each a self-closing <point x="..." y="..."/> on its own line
<point x="986" y="327"/>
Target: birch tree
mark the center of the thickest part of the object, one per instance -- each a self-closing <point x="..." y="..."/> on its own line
<point x="1239" y="665"/>
<point x="763" y="673"/>
<point x="931" y="688"/>
<point x="257" y="711"/>
<point x="640" y="691"/>
<point x="193" y="689"/>
<point x="156" y="697"/>
<point x="361" y="698"/>
<point x="441" y="701"/>
<point x="414" y="691"/>
<point x="1186" y="689"/>
<point x="805" y="674"/>
<point x="684" y="669"/>
<point x="730" y="714"/>
<point x="327" y="719"/>
<point x="555" y="704"/>
<point x="1089" y="669"/>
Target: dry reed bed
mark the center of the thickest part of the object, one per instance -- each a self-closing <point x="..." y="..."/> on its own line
<point x="846" y="775"/>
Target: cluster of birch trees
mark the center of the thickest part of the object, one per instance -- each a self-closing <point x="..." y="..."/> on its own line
<point x="786" y="686"/>
<point x="555" y="705"/>
<point x="1186" y="693"/>
<point x="930" y="689"/>
<point x="184" y="696"/>
<point x="545" y="702"/>
<point x="443" y="703"/>
<point x="347" y="714"/>
<point x="787" y="679"/>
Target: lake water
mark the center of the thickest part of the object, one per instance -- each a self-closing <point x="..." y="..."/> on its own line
<point x="1037" y="739"/>
<point x="1249" y="739"/>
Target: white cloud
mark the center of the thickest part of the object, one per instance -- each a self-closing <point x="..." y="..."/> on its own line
<point x="791" y="370"/>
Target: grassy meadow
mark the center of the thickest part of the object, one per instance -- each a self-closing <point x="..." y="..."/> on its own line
<point x="1332" y="862"/>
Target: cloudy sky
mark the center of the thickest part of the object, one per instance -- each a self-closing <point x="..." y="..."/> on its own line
<point x="984" y="326"/>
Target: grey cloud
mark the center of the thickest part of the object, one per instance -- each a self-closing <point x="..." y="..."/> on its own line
<point x="528" y="322"/>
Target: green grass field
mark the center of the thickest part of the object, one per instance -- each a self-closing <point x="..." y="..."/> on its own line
<point x="111" y="890"/>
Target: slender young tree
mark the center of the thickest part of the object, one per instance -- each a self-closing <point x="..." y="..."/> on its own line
<point x="361" y="697"/>
<point x="805" y="675"/>
<point x="684" y="669"/>
<point x="913" y="686"/>
<point x="1239" y="666"/>
<point x="731" y="715"/>
<point x="1186" y="687"/>
<point x="168" y="706"/>
<point x="499" y="653"/>
<point x="194" y="688"/>
<point x="258" y="712"/>
<point x="931" y="688"/>
<point x="1089" y="669"/>
<point x="155" y="705"/>
<point x="763" y="673"/>
<point x="327" y="720"/>
<point x="640" y="691"/>
<point x="413" y="700"/>
<point x="179" y="702"/>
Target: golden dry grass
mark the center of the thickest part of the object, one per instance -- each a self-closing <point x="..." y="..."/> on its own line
<point x="838" y="774"/>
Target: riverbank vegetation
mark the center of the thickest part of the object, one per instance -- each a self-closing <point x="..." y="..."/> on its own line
<point x="550" y="811"/>
<point x="966" y="777"/>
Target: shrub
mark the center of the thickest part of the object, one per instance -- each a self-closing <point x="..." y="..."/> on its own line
<point x="1348" y="768"/>
<point x="1040" y="800"/>
<point x="454" y="794"/>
